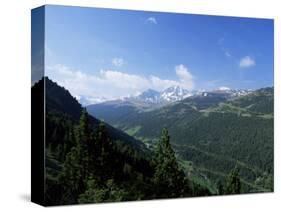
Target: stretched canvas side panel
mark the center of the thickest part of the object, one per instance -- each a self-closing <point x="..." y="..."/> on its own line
<point x="37" y="106"/>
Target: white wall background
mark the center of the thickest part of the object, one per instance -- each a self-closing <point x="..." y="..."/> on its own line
<point x="15" y="104"/>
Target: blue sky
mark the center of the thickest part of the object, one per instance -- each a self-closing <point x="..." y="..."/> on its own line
<point x="111" y="53"/>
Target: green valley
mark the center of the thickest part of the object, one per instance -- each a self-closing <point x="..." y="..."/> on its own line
<point x="213" y="134"/>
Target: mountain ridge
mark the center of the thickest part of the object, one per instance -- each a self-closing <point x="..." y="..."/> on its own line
<point x="152" y="98"/>
<point x="212" y="122"/>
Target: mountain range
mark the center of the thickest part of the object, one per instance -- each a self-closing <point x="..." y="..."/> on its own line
<point x="151" y="98"/>
<point x="171" y="94"/>
<point x="212" y="130"/>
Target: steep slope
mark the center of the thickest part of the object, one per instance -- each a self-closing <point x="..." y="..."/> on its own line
<point x="60" y="101"/>
<point x="62" y="119"/>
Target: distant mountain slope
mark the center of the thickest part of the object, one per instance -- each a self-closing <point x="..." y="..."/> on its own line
<point x="127" y="115"/>
<point x="148" y="96"/>
<point x="114" y="111"/>
<point x="214" y="130"/>
<point x="260" y="101"/>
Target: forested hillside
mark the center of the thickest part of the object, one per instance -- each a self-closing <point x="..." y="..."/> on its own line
<point x="89" y="161"/>
<point x="211" y="134"/>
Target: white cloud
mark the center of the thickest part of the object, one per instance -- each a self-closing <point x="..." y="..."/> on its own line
<point x="118" y="62"/>
<point x="152" y="20"/>
<point x="112" y="84"/>
<point x="185" y="77"/>
<point x="161" y="84"/>
<point x="223" y="88"/>
<point x="123" y="80"/>
<point x="247" y="62"/>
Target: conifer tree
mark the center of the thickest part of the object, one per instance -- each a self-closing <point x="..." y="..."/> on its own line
<point x="168" y="178"/>
<point x="83" y="140"/>
<point x="70" y="178"/>
<point x="233" y="183"/>
<point x="103" y="152"/>
<point x="76" y="169"/>
<point x="220" y="188"/>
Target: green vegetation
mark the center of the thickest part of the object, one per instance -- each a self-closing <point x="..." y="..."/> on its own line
<point x="214" y="133"/>
<point x="90" y="161"/>
<point x="133" y="131"/>
<point x="168" y="177"/>
<point x="228" y="151"/>
<point x="233" y="183"/>
<point x="95" y="170"/>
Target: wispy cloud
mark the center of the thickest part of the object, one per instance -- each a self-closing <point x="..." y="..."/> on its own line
<point x="221" y="42"/>
<point x="226" y="52"/>
<point x="118" y="62"/>
<point x="112" y="84"/>
<point x="151" y="20"/>
<point x="247" y="62"/>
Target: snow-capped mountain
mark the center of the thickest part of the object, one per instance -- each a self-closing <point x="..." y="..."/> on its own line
<point x="149" y="96"/>
<point x="152" y="97"/>
<point x="175" y="93"/>
<point x="240" y="92"/>
<point x="171" y="94"/>
<point x="227" y="93"/>
<point x="230" y="92"/>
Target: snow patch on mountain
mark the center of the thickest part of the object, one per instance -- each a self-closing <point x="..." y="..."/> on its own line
<point x="169" y="95"/>
<point x="175" y="93"/>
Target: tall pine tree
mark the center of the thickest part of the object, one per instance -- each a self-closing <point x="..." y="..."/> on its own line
<point x="84" y="139"/>
<point x="103" y="153"/>
<point x="76" y="169"/>
<point x="233" y="183"/>
<point x="168" y="177"/>
<point x="70" y="177"/>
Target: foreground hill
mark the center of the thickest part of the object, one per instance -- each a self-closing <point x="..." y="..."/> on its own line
<point x="62" y="120"/>
<point x="59" y="101"/>
<point x="89" y="161"/>
<point x="212" y="131"/>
